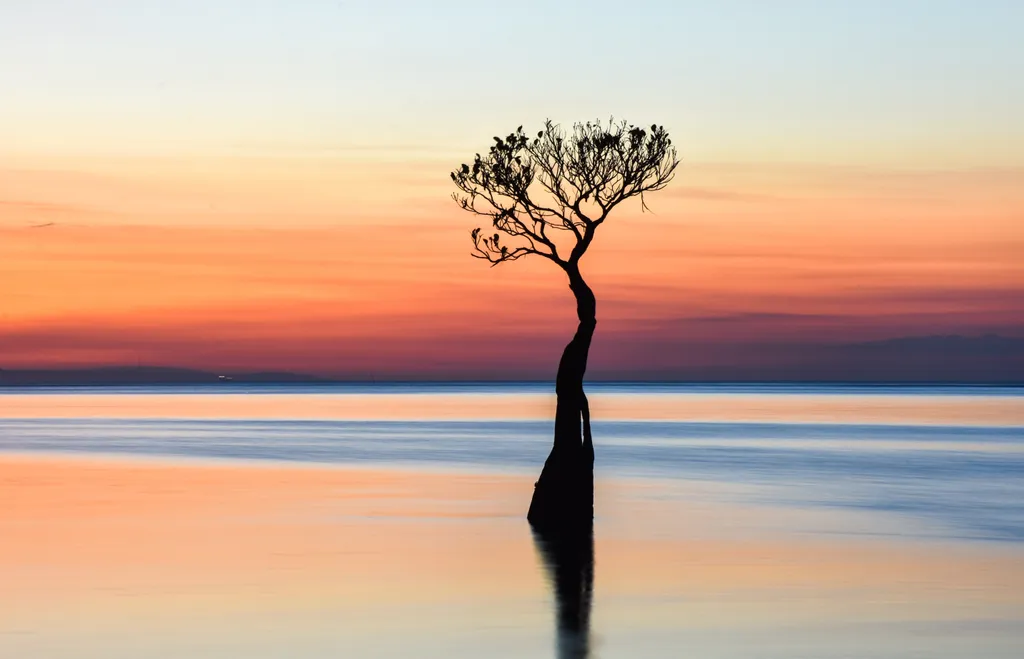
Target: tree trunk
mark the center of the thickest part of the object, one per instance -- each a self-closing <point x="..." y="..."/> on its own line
<point x="563" y="497"/>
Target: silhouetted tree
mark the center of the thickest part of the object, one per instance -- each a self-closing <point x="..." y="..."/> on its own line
<point x="546" y="196"/>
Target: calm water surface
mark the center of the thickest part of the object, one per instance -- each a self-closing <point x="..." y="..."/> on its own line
<point x="387" y="521"/>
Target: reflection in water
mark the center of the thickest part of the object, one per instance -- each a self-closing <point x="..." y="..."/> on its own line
<point x="569" y="560"/>
<point x="120" y="558"/>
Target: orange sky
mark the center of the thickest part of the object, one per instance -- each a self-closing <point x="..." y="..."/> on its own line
<point x="357" y="264"/>
<point x="266" y="187"/>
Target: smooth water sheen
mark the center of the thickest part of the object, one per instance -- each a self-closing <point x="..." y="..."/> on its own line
<point x="388" y="520"/>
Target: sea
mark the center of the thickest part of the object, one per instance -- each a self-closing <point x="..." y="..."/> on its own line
<point x="388" y="520"/>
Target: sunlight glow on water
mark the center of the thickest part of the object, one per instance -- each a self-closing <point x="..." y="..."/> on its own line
<point x="435" y="402"/>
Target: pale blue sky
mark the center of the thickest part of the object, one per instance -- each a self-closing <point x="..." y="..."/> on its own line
<point x="909" y="81"/>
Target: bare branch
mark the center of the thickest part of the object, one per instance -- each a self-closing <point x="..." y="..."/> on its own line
<point x="526" y="186"/>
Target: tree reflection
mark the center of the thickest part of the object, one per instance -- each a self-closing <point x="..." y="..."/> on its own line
<point x="569" y="561"/>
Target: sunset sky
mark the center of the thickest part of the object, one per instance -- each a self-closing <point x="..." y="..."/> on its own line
<point x="264" y="185"/>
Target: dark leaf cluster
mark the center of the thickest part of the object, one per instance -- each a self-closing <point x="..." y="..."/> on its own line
<point x="531" y="187"/>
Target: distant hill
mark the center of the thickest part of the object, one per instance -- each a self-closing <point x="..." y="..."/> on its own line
<point x="946" y="359"/>
<point x="990" y="358"/>
<point x="141" y="375"/>
<point x="951" y="359"/>
<point x="943" y="345"/>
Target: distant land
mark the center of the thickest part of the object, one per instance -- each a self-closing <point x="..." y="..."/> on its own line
<point x="990" y="359"/>
<point x="948" y="359"/>
<point x="142" y="375"/>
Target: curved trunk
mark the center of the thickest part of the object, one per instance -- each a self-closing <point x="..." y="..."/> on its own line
<point x="563" y="497"/>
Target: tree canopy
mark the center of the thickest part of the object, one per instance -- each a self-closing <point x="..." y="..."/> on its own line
<point x="533" y="188"/>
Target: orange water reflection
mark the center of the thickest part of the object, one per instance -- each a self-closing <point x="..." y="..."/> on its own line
<point x="106" y="558"/>
<point x="845" y="408"/>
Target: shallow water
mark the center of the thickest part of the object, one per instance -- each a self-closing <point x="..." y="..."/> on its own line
<point x="388" y="521"/>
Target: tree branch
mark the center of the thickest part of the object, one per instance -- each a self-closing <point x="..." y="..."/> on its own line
<point x="526" y="186"/>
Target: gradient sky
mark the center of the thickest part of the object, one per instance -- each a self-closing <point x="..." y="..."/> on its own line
<point x="263" y="185"/>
